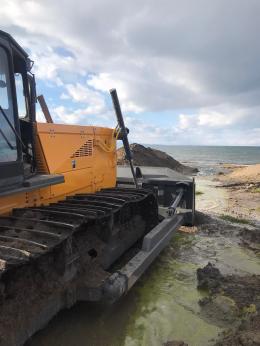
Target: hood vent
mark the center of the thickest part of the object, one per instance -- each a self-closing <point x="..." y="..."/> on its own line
<point x="85" y="150"/>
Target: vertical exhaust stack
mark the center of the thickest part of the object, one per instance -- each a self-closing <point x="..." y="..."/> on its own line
<point x="124" y="133"/>
<point x="45" y="109"/>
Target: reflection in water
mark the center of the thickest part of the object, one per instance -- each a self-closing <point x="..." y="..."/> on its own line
<point x="162" y="306"/>
<point x="87" y="325"/>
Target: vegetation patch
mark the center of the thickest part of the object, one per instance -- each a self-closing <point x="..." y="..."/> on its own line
<point x="198" y="192"/>
<point x="235" y="219"/>
<point x="256" y="190"/>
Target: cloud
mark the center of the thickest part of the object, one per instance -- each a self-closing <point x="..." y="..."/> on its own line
<point x="79" y="116"/>
<point x="209" y="126"/>
<point x="104" y="82"/>
<point x="214" y="118"/>
<point x="199" y="59"/>
<point x="82" y="94"/>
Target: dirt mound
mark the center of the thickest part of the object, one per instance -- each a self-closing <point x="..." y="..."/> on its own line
<point x="249" y="173"/>
<point x="244" y="290"/>
<point x="146" y="156"/>
<point x="242" y="175"/>
<point x="232" y="298"/>
<point x="250" y="238"/>
<point x="247" y="334"/>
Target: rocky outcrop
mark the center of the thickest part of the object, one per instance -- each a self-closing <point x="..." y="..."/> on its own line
<point x="146" y="156"/>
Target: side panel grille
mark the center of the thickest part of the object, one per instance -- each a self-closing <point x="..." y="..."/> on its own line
<point x="41" y="165"/>
<point x="85" y="150"/>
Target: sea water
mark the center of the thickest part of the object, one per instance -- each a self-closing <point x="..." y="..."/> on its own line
<point x="208" y="158"/>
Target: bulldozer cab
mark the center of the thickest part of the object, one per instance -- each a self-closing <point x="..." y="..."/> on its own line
<point x="16" y="123"/>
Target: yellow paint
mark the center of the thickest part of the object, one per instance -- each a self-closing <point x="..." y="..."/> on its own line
<point x="74" y="152"/>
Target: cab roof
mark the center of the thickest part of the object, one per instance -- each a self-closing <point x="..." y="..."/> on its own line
<point x="12" y="41"/>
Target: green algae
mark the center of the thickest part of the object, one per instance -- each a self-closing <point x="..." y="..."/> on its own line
<point x="162" y="306"/>
<point x="167" y="306"/>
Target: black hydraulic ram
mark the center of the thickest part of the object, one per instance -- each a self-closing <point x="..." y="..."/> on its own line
<point x="172" y="208"/>
<point x="124" y="133"/>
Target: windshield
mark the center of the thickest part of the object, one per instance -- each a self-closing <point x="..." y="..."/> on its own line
<point x="7" y="153"/>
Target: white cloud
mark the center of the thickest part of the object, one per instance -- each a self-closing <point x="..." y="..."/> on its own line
<point x="212" y="119"/>
<point x="105" y="81"/>
<point x="81" y="116"/>
<point x="187" y="121"/>
<point x="194" y="57"/>
<point x="82" y="94"/>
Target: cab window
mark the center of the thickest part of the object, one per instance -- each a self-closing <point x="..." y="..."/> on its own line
<point x="20" y="96"/>
<point x="8" y="150"/>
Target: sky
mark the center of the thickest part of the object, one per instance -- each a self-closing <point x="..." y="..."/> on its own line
<point x="186" y="72"/>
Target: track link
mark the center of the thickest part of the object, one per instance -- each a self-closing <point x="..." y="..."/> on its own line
<point x="32" y="232"/>
<point x="53" y="256"/>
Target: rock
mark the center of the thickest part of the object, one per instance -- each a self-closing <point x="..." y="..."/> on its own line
<point x="248" y="336"/>
<point x="175" y="343"/>
<point x="208" y="277"/>
<point x="220" y="308"/>
<point x="145" y="156"/>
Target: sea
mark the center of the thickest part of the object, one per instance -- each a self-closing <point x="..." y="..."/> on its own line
<point x="208" y="159"/>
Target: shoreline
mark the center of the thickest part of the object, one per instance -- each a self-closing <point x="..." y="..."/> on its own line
<point x="235" y="193"/>
<point x="232" y="197"/>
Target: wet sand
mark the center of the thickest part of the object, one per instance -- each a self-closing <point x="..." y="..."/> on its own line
<point x="236" y="193"/>
<point x="233" y="299"/>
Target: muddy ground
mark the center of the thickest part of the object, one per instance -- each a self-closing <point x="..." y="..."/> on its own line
<point x="232" y="301"/>
<point x="231" y="298"/>
<point x="237" y="200"/>
<point x="242" y="185"/>
<point x="229" y="207"/>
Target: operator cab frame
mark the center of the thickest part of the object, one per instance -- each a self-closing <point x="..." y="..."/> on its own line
<point x="16" y="134"/>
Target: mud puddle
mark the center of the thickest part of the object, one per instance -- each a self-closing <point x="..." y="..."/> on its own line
<point x="164" y="305"/>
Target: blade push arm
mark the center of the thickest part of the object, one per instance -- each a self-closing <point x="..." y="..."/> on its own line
<point x="124" y="133"/>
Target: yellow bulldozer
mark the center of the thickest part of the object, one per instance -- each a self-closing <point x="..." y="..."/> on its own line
<point x="69" y="220"/>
